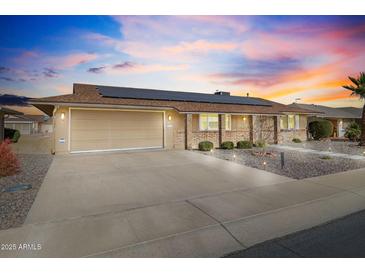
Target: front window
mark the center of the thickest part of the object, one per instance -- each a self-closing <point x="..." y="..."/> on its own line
<point x="228" y="122"/>
<point x="291" y="122"/>
<point x="208" y="122"/>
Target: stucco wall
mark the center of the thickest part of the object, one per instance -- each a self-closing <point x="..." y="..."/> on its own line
<point x="61" y="130"/>
<point x="175" y="130"/>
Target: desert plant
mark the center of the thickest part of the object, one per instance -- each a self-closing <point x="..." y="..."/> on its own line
<point x="353" y="131"/>
<point x="227" y="145"/>
<point x="358" y="89"/>
<point x="244" y="144"/>
<point x="320" y="129"/>
<point x="260" y="144"/>
<point x="205" y="146"/>
<point x="296" y="140"/>
<point x="9" y="164"/>
<point x="12" y="134"/>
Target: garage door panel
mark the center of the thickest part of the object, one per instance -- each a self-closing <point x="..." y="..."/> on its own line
<point x="103" y="130"/>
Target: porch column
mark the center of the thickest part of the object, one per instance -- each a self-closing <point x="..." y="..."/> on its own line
<point x="256" y="128"/>
<point x="188" y="131"/>
<point x="221" y="128"/>
<point x="250" y="122"/>
<point x="276" y="129"/>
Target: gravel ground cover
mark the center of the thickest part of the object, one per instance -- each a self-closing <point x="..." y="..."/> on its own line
<point x="334" y="146"/>
<point x="14" y="206"/>
<point x="298" y="165"/>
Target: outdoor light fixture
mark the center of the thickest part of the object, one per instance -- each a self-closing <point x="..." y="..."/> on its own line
<point x="264" y="163"/>
<point x="211" y="150"/>
<point x="244" y="118"/>
<point x="169" y="117"/>
<point x="62" y="116"/>
<point x="234" y="155"/>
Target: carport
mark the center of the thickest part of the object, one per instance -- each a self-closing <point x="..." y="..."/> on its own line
<point x="6" y="111"/>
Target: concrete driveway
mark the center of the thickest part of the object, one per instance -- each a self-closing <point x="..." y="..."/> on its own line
<point x="89" y="184"/>
<point x="172" y="204"/>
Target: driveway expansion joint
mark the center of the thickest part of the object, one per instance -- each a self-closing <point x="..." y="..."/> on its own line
<point x="219" y="222"/>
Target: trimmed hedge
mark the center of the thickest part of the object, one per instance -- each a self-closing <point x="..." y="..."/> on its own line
<point x="12" y="134"/>
<point x="244" y="144"/>
<point x="227" y="145"/>
<point x="353" y="131"/>
<point x="260" y="144"/>
<point x="296" y="140"/>
<point x="205" y="146"/>
<point x="320" y="129"/>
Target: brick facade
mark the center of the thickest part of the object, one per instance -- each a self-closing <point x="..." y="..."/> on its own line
<point x="286" y="136"/>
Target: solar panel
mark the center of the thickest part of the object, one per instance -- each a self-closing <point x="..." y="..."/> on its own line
<point x="153" y="94"/>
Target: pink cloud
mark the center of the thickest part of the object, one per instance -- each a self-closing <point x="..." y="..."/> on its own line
<point x="72" y="60"/>
<point x="200" y="46"/>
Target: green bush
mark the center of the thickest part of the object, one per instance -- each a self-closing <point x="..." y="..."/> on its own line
<point x="320" y="129"/>
<point x="244" y="144"/>
<point x="12" y="134"/>
<point x="261" y="144"/>
<point x="296" y="140"/>
<point x="353" y="131"/>
<point x="227" y="145"/>
<point x="205" y="146"/>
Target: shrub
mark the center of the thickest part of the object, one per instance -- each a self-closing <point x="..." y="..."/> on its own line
<point x="261" y="144"/>
<point x="9" y="164"/>
<point x="227" y="145"/>
<point x="12" y="134"/>
<point x="205" y="146"/>
<point x="353" y="131"/>
<point x="325" y="157"/>
<point x="320" y="129"/>
<point x="244" y="144"/>
<point x="296" y="140"/>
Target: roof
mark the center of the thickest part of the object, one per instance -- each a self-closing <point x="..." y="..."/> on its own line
<point x="84" y="94"/>
<point x="9" y="111"/>
<point x="166" y="95"/>
<point x="330" y="112"/>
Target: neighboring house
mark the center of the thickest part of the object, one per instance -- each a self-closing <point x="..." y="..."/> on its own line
<point x="340" y="117"/>
<point x="102" y="118"/>
<point x="4" y="112"/>
<point x="28" y="124"/>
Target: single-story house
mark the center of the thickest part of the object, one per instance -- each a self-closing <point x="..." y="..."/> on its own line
<point x="4" y="112"/>
<point x="29" y="124"/>
<point x="104" y="118"/>
<point x="340" y="117"/>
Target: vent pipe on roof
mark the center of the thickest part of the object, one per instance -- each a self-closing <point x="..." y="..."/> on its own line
<point x="225" y="93"/>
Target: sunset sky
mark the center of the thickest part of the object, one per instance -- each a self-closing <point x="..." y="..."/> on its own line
<point x="280" y="58"/>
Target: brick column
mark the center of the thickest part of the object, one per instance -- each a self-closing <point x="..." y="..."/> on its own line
<point x="276" y="129"/>
<point x="250" y="121"/>
<point x="221" y="128"/>
<point x="188" y="131"/>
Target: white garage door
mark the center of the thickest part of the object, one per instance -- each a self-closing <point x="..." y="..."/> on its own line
<point x="111" y="130"/>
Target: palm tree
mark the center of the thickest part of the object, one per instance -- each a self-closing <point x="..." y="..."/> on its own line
<point x="358" y="89"/>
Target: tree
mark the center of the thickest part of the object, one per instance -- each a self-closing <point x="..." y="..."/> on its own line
<point x="358" y="89"/>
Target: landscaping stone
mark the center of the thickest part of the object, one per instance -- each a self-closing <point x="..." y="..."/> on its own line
<point x="298" y="165"/>
<point x="14" y="206"/>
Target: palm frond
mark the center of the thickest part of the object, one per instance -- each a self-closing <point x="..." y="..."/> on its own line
<point x="354" y="80"/>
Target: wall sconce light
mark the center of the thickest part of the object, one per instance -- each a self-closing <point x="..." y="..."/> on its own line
<point x="62" y="116"/>
<point x="169" y="117"/>
<point x="244" y="118"/>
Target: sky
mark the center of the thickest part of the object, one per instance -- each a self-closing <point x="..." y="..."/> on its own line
<point x="282" y="58"/>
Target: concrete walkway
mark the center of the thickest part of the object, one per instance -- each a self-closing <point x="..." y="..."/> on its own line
<point x="327" y="153"/>
<point x="206" y="225"/>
